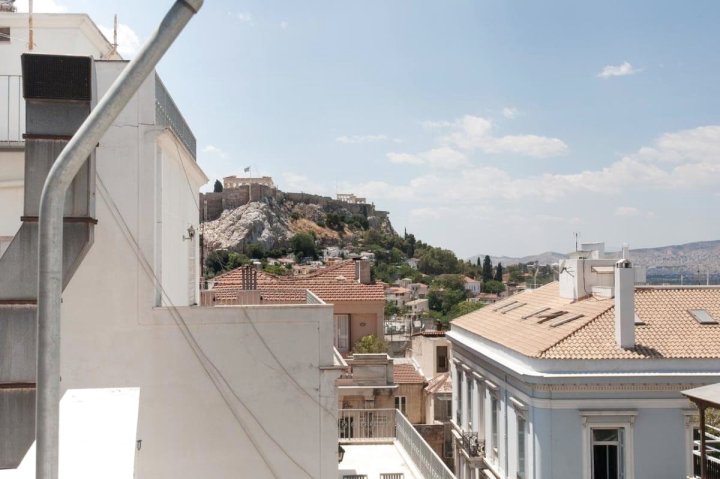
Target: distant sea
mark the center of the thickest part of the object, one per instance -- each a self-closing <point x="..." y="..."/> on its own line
<point x="677" y="278"/>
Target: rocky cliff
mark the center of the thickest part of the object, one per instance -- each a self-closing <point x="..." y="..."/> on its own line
<point x="272" y="223"/>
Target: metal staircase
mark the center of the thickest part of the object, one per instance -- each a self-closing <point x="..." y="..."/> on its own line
<point x="59" y="94"/>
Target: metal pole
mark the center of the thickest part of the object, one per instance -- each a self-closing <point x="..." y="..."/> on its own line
<point x="52" y="204"/>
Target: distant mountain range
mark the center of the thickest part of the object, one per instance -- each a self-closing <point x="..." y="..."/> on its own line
<point x="679" y="259"/>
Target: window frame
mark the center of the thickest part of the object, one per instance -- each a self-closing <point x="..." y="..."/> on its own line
<point x="5" y="36"/>
<point x="446" y="364"/>
<point x="609" y="419"/>
<point x="402" y="402"/>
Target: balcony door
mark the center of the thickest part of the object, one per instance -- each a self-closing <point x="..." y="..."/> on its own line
<point x="342" y="332"/>
<point x="608" y="454"/>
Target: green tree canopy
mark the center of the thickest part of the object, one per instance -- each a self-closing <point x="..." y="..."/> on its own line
<point x="303" y="244"/>
<point x="438" y="261"/>
<point x="493" y="286"/>
<point x="370" y="344"/>
<point x="217" y="187"/>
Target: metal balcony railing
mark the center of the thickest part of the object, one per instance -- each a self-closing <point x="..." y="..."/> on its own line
<point x="712" y="456"/>
<point x="390" y="425"/>
<point x="12" y="109"/>
<point x="167" y="114"/>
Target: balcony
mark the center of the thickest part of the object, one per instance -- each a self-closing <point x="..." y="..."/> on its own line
<point x="168" y="115"/>
<point x="12" y="112"/>
<point x="712" y="454"/>
<point x="382" y="443"/>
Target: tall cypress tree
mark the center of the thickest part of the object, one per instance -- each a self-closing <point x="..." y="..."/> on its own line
<point x="499" y="272"/>
<point x="218" y="187"/>
<point x="487" y="269"/>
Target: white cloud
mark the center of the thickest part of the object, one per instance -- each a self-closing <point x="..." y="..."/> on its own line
<point x="510" y="112"/>
<point x="127" y="39"/>
<point x="684" y="160"/>
<point x="443" y="157"/>
<point x="476" y="133"/>
<point x="352" y="139"/>
<point x="404" y="158"/>
<point x="284" y="25"/>
<point x="215" y="151"/>
<point x="44" y="6"/>
<point x="244" y="17"/>
<point x="627" y="211"/>
<point x="624" y="69"/>
<point x="435" y="125"/>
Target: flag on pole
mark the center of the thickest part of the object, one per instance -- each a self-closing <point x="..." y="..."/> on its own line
<point x="247" y="169"/>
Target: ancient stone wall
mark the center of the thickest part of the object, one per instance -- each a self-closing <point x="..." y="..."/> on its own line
<point x="213" y="204"/>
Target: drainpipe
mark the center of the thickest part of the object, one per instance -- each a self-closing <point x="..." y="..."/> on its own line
<point x="52" y="204"/>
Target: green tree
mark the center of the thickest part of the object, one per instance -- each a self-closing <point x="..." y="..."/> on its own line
<point x="370" y="344"/>
<point x="391" y="309"/>
<point x="493" y="286"/>
<point x="217" y="187"/>
<point x="220" y="261"/>
<point x="303" y="244"/>
<point x="276" y="269"/>
<point x="445" y="292"/>
<point x="499" y="272"/>
<point x="487" y="269"/>
<point x="438" y="261"/>
<point x="463" y="308"/>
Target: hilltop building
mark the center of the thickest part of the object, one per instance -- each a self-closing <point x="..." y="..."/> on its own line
<point x="235" y="182"/>
<point x="582" y="378"/>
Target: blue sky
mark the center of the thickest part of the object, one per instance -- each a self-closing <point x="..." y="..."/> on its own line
<point x="487" y="127"/>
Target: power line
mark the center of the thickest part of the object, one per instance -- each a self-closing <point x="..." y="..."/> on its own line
<point x="215" y="375"/>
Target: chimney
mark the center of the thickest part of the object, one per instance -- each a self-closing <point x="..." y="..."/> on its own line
<point x="362" y="271"/>
<point x="624" y="304"/>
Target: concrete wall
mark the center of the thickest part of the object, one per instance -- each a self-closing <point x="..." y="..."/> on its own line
<point x="414" y="406"/>
<point x="12" y="164"/>
<point x="424" y="351"/>
<point x="272" y="364"/>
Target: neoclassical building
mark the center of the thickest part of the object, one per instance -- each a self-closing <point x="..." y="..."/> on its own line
<point x="582" y="378"/>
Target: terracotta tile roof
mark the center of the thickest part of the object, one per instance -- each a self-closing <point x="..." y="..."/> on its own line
<point x="405" y="373"/>
<point x="333" y="284"/>
<point x="669" y="331"/>
<point x="430" y="333"/>
<point x="442" y="383"/>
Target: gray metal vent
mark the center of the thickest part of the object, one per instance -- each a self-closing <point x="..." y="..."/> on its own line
<point x="56" y="77"/>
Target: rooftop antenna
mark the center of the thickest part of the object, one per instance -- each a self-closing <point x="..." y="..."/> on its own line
<point x="576" y="240"/>
<point x="30" y="26"/>
<point x="114" y="43"/>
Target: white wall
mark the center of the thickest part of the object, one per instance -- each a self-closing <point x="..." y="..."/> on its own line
<point x="11" y="191"/>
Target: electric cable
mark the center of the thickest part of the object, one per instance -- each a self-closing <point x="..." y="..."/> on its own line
<point x="215" y="375"/>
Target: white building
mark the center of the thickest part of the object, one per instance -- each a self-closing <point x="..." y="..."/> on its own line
<point x="583" y="378"/>
<point x="216" y="391"/>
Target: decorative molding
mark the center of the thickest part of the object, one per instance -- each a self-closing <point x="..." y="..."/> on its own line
<point x="578" y="387"/>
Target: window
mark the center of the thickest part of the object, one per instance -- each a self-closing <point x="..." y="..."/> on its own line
<point x="495" y="411"/>
<point x="4" y="34"/>
<point x="521" y="445"/>
<point x="608" y="456"/>
<point x="458" y="412"/>
<point x="470" y="387"/>
<point x="443" y="409"/>
<point x="400" y="403"/>
<point x="608" y="443"/>
<point x="442" y="358"/>
<point x="342" y="332"/>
